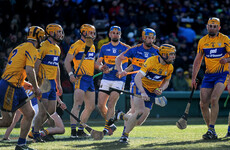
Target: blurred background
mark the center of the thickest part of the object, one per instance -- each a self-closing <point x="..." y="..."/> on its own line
<point x="178" y="22"/>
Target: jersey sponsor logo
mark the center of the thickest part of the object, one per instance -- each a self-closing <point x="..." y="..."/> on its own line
<point x="51" y="60"/>
<point x="213" y="51"/>
<point x="108" y="50"/>
<point x="154" y="77"/>
<point x="90" y="56"/>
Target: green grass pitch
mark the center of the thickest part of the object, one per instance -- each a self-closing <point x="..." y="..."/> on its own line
<point x="157" y="134"/>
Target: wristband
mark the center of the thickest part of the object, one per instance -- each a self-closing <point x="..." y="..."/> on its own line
<point x="70" y="73"/>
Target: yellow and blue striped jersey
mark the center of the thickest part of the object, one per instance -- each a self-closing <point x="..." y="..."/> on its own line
<point x="214" y="49"/>
<point x="23" y="55"/>
<point x="139" y="54"/>
<point x="155" y="73"/>
<point x="109" y="53"/>
<point x="77" y="50"/>
<point x="49" y="54"/>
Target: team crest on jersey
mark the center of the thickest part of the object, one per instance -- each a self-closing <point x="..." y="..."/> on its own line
<point x="146" y="54"/>
<point x="213" y="44"/>
<point x="51" y="51"/>
<point x="160" y="71"/>
<point x="154" y="69"/>
<point x="165" y="72"/>
<point x="114" y="50"/>
<point x="119" y="51"/>
<point x="219" y="44"/>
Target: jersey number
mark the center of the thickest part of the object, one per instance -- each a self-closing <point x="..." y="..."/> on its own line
<point x="14" y="53"/>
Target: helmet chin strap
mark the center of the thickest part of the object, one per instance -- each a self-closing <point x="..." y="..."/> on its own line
<point x="53" y="37"/>
<point x="163" y="58"/>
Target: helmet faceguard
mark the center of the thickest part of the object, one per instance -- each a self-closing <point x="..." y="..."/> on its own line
<point x="87" y="29"/>
<point x="165" y="50"/>
<point x="52" y="31"/>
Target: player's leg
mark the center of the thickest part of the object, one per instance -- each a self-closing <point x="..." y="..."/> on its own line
<point x="216" y="93"/>
<point x="79" y="96"/>
<point x="89" y="107"/>
<point x="59" y="128"/>
<point x="40" y="119"/>
<point x="102" y="101"/>
<point x="17" y="116"/>
<point x="28" y="114"/>
<point x="109" y="129"/>
<point x="205" y="96"/>
<point x="132" y="107"/>
<point x="7" y="101"/>
<point x="228" y="133"/>
<point x="35" y="107"/>
<point x="133" y="119"/>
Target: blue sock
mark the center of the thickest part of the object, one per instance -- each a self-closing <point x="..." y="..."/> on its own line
<point x="21" y="141"/>
<point x="211" y="126"/>
<point x="124" y="130"/>
<point x="73" y="126"/>
<point x="80" y="127"/>
<point x="32" y="129"/>
<point x="229" y="129"/>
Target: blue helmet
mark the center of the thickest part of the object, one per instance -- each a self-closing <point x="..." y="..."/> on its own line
<point x="148" y="32"/>
<point x="115" y="28"/>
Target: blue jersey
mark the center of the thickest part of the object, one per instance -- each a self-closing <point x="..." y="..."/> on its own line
<point x="109" y="53"/>
<point x="139" y="54"/>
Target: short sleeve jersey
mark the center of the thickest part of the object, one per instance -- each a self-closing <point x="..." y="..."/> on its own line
<point x="214" y="49"/>
<point x="77" y="50"/>
<point x="155" y="73"/>
<point x="49" y="54"/>
<point x="23" y="55"/>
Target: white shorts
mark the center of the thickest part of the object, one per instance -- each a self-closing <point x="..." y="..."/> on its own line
<point x="106" y="84"/>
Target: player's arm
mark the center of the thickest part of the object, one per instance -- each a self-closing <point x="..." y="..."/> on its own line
<point x="227" y="46"/>
<point x="138" y="83"/>
<point x="58" y="82"/>
<point x="62" y="105"/>
<point x="118" y="63"/>
<point x="164" y="85"/>
<point x="129" y="68"/>
<point x="99" y="65"/>
<point x="37" y="64"/>
<point x="68" y="67"/>
<point x="31" y="76"/>
<point x="196" y="68"/>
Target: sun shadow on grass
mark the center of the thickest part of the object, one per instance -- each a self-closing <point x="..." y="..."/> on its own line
<point x="103" y="145"/>
<point x="171" y="144"/>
